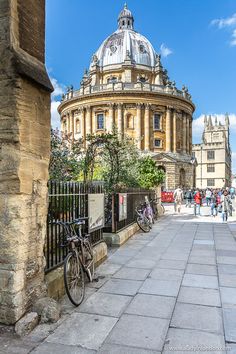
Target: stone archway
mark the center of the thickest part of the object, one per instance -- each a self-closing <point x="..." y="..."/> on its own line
<point x="182" y="181"/>
<point x="24" y="155"/>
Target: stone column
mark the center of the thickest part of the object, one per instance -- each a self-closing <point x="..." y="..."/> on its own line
<point x="187" y="133"/>
<point x="168" y="129"/>
<point x="139" y="125"/>
<point x="110" y="122"/>
<point x="72" y="125"/>
<point x="184" y="132"/>
<point x="174" y="131"/>
<point x="190" y="134"/>
<point x="120" y="119"/>
<point x="83" y="116"/>
<point x="88" y="123"/>
<point x="24" y="156"/>
<point x="94" y="123"/>
<point x="147" y="127"/>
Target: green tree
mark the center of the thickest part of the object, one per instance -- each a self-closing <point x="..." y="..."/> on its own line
<point x="66" y="157"/>
<point x="149" y="176"/>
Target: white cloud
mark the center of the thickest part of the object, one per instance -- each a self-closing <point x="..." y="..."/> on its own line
<point x="229" y="22"/>
<point x="198" y="124"/>
<point x="55" y="117"/>
<point x="233" y="156"/>
<point x="225" y="22"/>
<point x="165" y="51"/>
<point x="59" y="89"/>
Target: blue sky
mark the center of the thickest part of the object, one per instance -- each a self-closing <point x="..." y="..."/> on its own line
<point x="197" y="39"/>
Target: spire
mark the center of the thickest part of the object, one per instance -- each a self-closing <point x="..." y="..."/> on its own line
<point x="227" y="120"/>
<point x="216" y="121"/>
<point x="125" y="19"/>
<point x="210" y="121"/>
<point x="205" y="121"/>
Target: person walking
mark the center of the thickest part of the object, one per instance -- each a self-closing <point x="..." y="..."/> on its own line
<point x="189" y="198"/>
<point x="214" y="204"/>
<point x="198" y="201"/>
<point x="226" y="205"/>
<point x="208" y="196"/>
<point x="178" y="199"/>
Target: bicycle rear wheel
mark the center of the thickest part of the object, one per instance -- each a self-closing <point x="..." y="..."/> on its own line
<point x="74" y="278"/>
<point x="143" y="223"/>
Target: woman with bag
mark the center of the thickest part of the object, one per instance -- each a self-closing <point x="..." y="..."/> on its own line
<point x="225" y="205"/>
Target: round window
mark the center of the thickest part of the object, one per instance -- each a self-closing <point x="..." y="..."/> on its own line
<point x="113" y="48"/>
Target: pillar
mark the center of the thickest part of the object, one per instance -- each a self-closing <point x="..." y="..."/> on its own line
<point x="147" y="127"/>
<point x="119" y="119"/>
<point x="139" y="125"/>
<point x="174" y="131"/>
<point x="88" y="120"/>
<point x="168" y="129"/>
<point x="187" y="134"/>
<point x="190" y="134"/>
<point x="72" y="125"/>
<point x="24" y="155"/>
<point x="83" y="116"/>
<point x="184" y="132"/>
<point x="110" y="122"/>
<point x="94" y="122"/>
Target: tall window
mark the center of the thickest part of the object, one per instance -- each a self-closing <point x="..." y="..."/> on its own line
<point x="100" y="121"/>
<point x="77" y="126"/>
<point x="130" y="121"/>
<point x="157" y="143"/>
<point x="210" y="182"/>
<point x="210" y="155"/>
<point x="157" y="121"/>
<point x="210" y="167"/>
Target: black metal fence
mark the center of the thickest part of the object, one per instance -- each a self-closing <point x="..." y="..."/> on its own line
<point x="135" y="196"/>
<point x="67" y="201"/>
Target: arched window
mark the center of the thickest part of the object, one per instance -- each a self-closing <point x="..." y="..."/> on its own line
<point x="130" y="121"/>
<point x="182" y="178"/>
<point x="100" y="121"/>
<point x="77" y="126"/>
<point x="112" y="80"/>
<point x="156" y="121"/>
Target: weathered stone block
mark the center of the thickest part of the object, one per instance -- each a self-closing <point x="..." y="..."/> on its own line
<point x="26" y="324"/>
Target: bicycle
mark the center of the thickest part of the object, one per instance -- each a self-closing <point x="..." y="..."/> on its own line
<point x="142" y="220"/>
<point x="154" y="204"/>
<point x="79" y="261"/>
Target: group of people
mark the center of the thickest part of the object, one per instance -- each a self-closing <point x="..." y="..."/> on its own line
<point x="219" y="200"/>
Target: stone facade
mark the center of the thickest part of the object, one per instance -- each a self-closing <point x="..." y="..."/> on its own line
<point x="127" y="87"/>
<point x="24" y="155"/>
<point x="213" y="155"/>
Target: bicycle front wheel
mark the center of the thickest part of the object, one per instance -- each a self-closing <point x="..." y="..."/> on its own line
<point x="74" y="278"/>
<point x="89" y="260"/>
<point x="143" y="223"/>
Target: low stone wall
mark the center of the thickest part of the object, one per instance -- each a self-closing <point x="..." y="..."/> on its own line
<point x="120" y="237"/>
<point x="55" y="281"/>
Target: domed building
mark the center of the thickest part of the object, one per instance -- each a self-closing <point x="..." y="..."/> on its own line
<point x="126" y="86"/>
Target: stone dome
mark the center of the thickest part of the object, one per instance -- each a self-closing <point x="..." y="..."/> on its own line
<point x="125" y="43"/>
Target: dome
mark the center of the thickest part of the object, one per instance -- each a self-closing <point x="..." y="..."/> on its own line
<point x="125" y="44"/>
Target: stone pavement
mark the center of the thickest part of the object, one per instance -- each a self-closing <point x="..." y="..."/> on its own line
<point x="171" y="290"/>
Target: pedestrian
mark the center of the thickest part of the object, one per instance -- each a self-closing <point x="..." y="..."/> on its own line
<point x="189" y="198"/>
<point x="208" y="196"/>
<point x="198" y="201"/>
<point x="225" y="206"/>
<point x="214" y="204"/>
<point x="178" y="199"/>
<point x="232" y="192"/>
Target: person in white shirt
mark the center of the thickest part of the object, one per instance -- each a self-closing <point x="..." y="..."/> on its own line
<point x="178" y="199"/>
<point x="208" y="196"/>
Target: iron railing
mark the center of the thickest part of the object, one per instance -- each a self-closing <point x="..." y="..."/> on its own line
<point x="135" y="196"/>
<point x="67" y="201"/>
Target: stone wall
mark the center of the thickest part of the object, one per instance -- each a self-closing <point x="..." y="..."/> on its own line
<point x="24" y="155"/>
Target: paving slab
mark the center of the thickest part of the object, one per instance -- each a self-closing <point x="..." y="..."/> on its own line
<point x="132" y="273"/>
<point x="105" y="304"/>
<point x="139" y="331"/>
<point x="204" y="318"/>
<point x="52" y="348"/>
<point x="121" y="286"/>
<point x="181" y="341"/>
<point x="119" y="259"/>
<point x="200" y="281"/>
<point x="166" y="274"/>
<point x="227" y="269"/>
<point x="108" y="269"/>
<point x="171" y="264"/>
<point x="229" y="317"/>
<point x="79" y="329"/>
<point x="202" y="260"/>
<point x="228" y="296"/>
<point x="160" y="287"/>
<point x="226" y="253"/>
<point x="151" y="305"/>
<point x="227" y="280"/>
<point x="121" y="349"/>
<point x="199" y="296"/>
<point x="226" y="260"/>
<point x="141" y="263"/>
<point x="202" y="269"/>
<point x="204" y="242"/>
